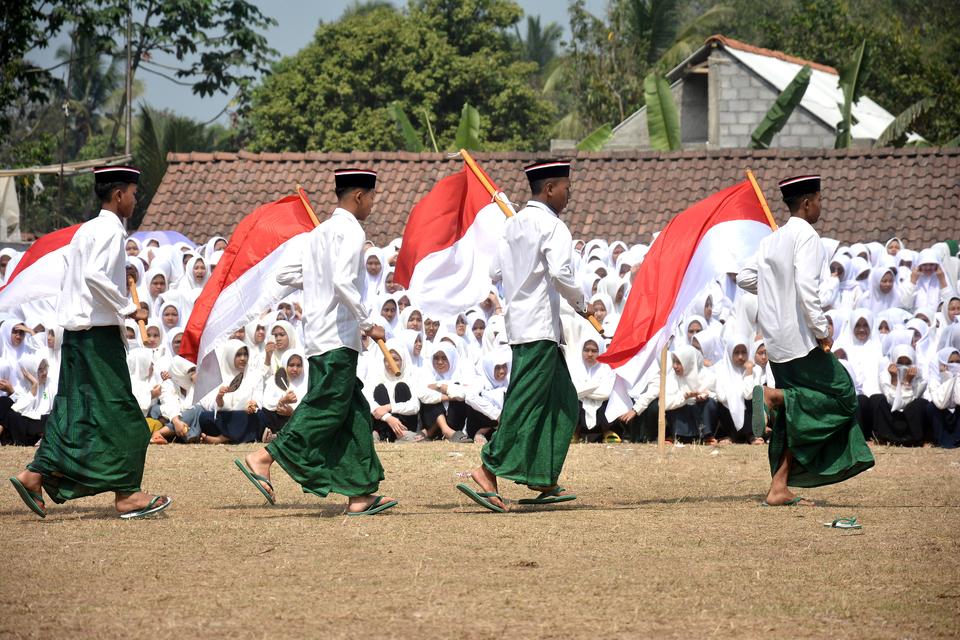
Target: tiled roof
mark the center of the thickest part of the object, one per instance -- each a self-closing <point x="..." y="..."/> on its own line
<point x="869" y="194"/>
<point x="770" y="53"/>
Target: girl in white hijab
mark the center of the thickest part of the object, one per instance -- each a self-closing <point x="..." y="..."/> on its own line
<point x="281" y="336"/>
<point x="928" y="282"/>
<point x="883" y="290"/>
<point x="899" y="413"/>
<point x="862" y="346"/>
<point x="374" y="274"/>
<point x="394" y="399"/>
<point x="282" y="393"/>
<point x="24" y="423"/>
<point x="234" y="418"/>
<point x="145" y="390"/>
<point x="604" y="310"/>
<point x="944" y="392"/>
<point x="488" y="400"/>
<point x="593" y="381"/>
<point x="690" y="399"/>
<point x="177" y="408"/>
<point x="735" y="382"/>
<point x="442" y="407"/>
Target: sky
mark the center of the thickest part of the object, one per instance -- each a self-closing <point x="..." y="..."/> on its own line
<point x="297" y="21"/>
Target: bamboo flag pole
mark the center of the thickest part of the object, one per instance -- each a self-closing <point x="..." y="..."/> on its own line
<point x="662" y="405"/>
<point x="763" y="201"/>
<point x="497" y="197"/>
<point x="132" y="287"/>
<point x="316" y="222"/>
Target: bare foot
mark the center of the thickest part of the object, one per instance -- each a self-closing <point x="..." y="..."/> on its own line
<point x="31" y="480"/>
<point x="157" y="438"/>
<point x="757" y="441"/>
<point x="488" y="482"/>
<point x="127" y="502"/>
<point x="782" y="497"/>
<point x="205" y="439"/>
<point x="772" y="398"/>
<point x="260" y="462"/>
<point x="357" y="504"/>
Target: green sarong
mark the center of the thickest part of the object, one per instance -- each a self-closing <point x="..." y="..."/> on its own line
<point x="538" y="418"/>
<point x="818" y="422"/>
<point x="96" y="437"/>
<point x="328" y="443"/>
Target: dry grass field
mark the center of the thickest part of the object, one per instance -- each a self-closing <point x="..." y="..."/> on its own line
<point x="673" y="548"/>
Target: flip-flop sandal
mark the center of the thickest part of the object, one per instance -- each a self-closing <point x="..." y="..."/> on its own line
<point x="31" y="499"/>
<point x="611" y="438"/>
<point x="151" y="508"/>
<point x="844" y="523"/>
<point x="481" y="497"/>
<point x="789" y="503"/>
<point x="551" y="496"/>
<point x="256" y="479"/>
<point x="376" y="506"/>
<point x="759" y="418"/>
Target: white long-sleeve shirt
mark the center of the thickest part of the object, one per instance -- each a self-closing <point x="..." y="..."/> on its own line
<point x="534" y="260"/>
<point x="331" y="274"/>
<point x="785" y="275"/>
<point x="95" y="281"/>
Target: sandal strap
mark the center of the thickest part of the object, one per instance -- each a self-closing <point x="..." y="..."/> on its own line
<point x="489" y="494"/>
<point x="376" y="501"/>
<point x="260" y="478"/>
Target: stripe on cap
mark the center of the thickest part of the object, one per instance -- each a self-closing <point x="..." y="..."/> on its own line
<point x="355" y="172"/>
<point x="790" y="181"/>
<point x="103" y="169"/>
<point x="546" y="165"/>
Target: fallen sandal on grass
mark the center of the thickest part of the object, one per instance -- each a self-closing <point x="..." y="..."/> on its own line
<point x="481" y="497"/>
<point x="31" y="499"/>
<point x="151" y="508"/>
<point x="376" y="506"/>
<point x="256" y="479"/>
<point x="550" y="496"/>
<point x="844" y="523"/>
<point x="789" y="503"/>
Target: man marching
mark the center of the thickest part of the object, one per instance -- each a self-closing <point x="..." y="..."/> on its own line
<point x="328" y="443"/>
<point x="96" y="438"/>
<point x="534" y="262"/>
<point x="816" y="439"/>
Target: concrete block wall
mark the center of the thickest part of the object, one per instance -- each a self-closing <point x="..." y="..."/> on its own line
<point x="743" y="101"/>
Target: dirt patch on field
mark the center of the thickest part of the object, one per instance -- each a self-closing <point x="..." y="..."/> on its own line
<point x="672" y="548"/>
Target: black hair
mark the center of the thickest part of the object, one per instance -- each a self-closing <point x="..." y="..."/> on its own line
<point x="537" y="186"/>
<point x="345" y="190"/>
<point x="105" y="190"/>
<point x="794" y="203"/>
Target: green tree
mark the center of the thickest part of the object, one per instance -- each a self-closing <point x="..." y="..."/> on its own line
<point x="336" y="93"/>
<point x="541" y="43"/>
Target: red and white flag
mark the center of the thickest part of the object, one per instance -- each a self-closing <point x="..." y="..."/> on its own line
<point x="244" y="282"/>
<point x="448" y="242"/>
<point x="39" y="273"/>
<point x="695" y="247"/>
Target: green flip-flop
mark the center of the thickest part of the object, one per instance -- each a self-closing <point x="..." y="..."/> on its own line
<point x="255" y="479"/>
<point x="151" y="508"/>
<point x="481" y="497"/>
<point x="31" y="499"/>
<point x="759" y="418"/>
<point x="844" y="523"/>
<point x="550" y="496"/>
<point x="376" y="506"/>
<point x="789" y="503"/>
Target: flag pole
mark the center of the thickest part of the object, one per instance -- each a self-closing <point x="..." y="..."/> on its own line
<point x="316" y="222"/>
<point x="763" y="201"/>
<point x="472" y="164"/>
<point x="662" y="404"/>
<point x="132" y="287"/>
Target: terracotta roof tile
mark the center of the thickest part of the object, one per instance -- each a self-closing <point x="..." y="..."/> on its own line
<point x="869" y="194"/>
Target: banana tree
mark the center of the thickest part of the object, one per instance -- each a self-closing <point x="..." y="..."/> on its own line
<point x="663" y="122"/>
<point x="781" y="110"/>
<point x="467" y="136"/>
<point x="852" y="76"/>
<point x="902" y="123"/>
<point x="597" y="139"/>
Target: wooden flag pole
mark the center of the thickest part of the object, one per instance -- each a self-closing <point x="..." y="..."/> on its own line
<point x="763" y="201"/>
<point x="662" y="405"/>
<point x="132" y="287"/>
<point x="472" y="164"/>
<point x="394" y="369"/>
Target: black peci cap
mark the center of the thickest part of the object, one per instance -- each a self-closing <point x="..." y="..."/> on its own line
<point x="799" y="186"/>
<point x="109" y="175"/>
<point x="355" y="178"/>
<point x="545" y="169"/>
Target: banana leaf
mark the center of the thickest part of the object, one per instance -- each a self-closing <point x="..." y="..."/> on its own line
<point x="663" y="122"/>
<point x="411" y="139"/>
<point x="597" y="139"/>
<point x="899" y="126"/>
<point x="468" y="133"/>
<point x="781" y="110"/>
<point x="852" y="76"/>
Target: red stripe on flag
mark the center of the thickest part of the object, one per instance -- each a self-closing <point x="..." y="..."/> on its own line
<point x="655" y="288"/>
<point x="44" y="245"/>
<point x="256" y="236"/>
<point x="440" y="219"/>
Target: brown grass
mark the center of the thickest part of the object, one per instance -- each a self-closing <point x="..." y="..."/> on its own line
<point x="678" y="548"/>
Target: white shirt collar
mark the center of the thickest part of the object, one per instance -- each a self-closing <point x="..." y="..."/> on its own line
<point x="541" y="205"/>
<point x="115" y="218"/>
